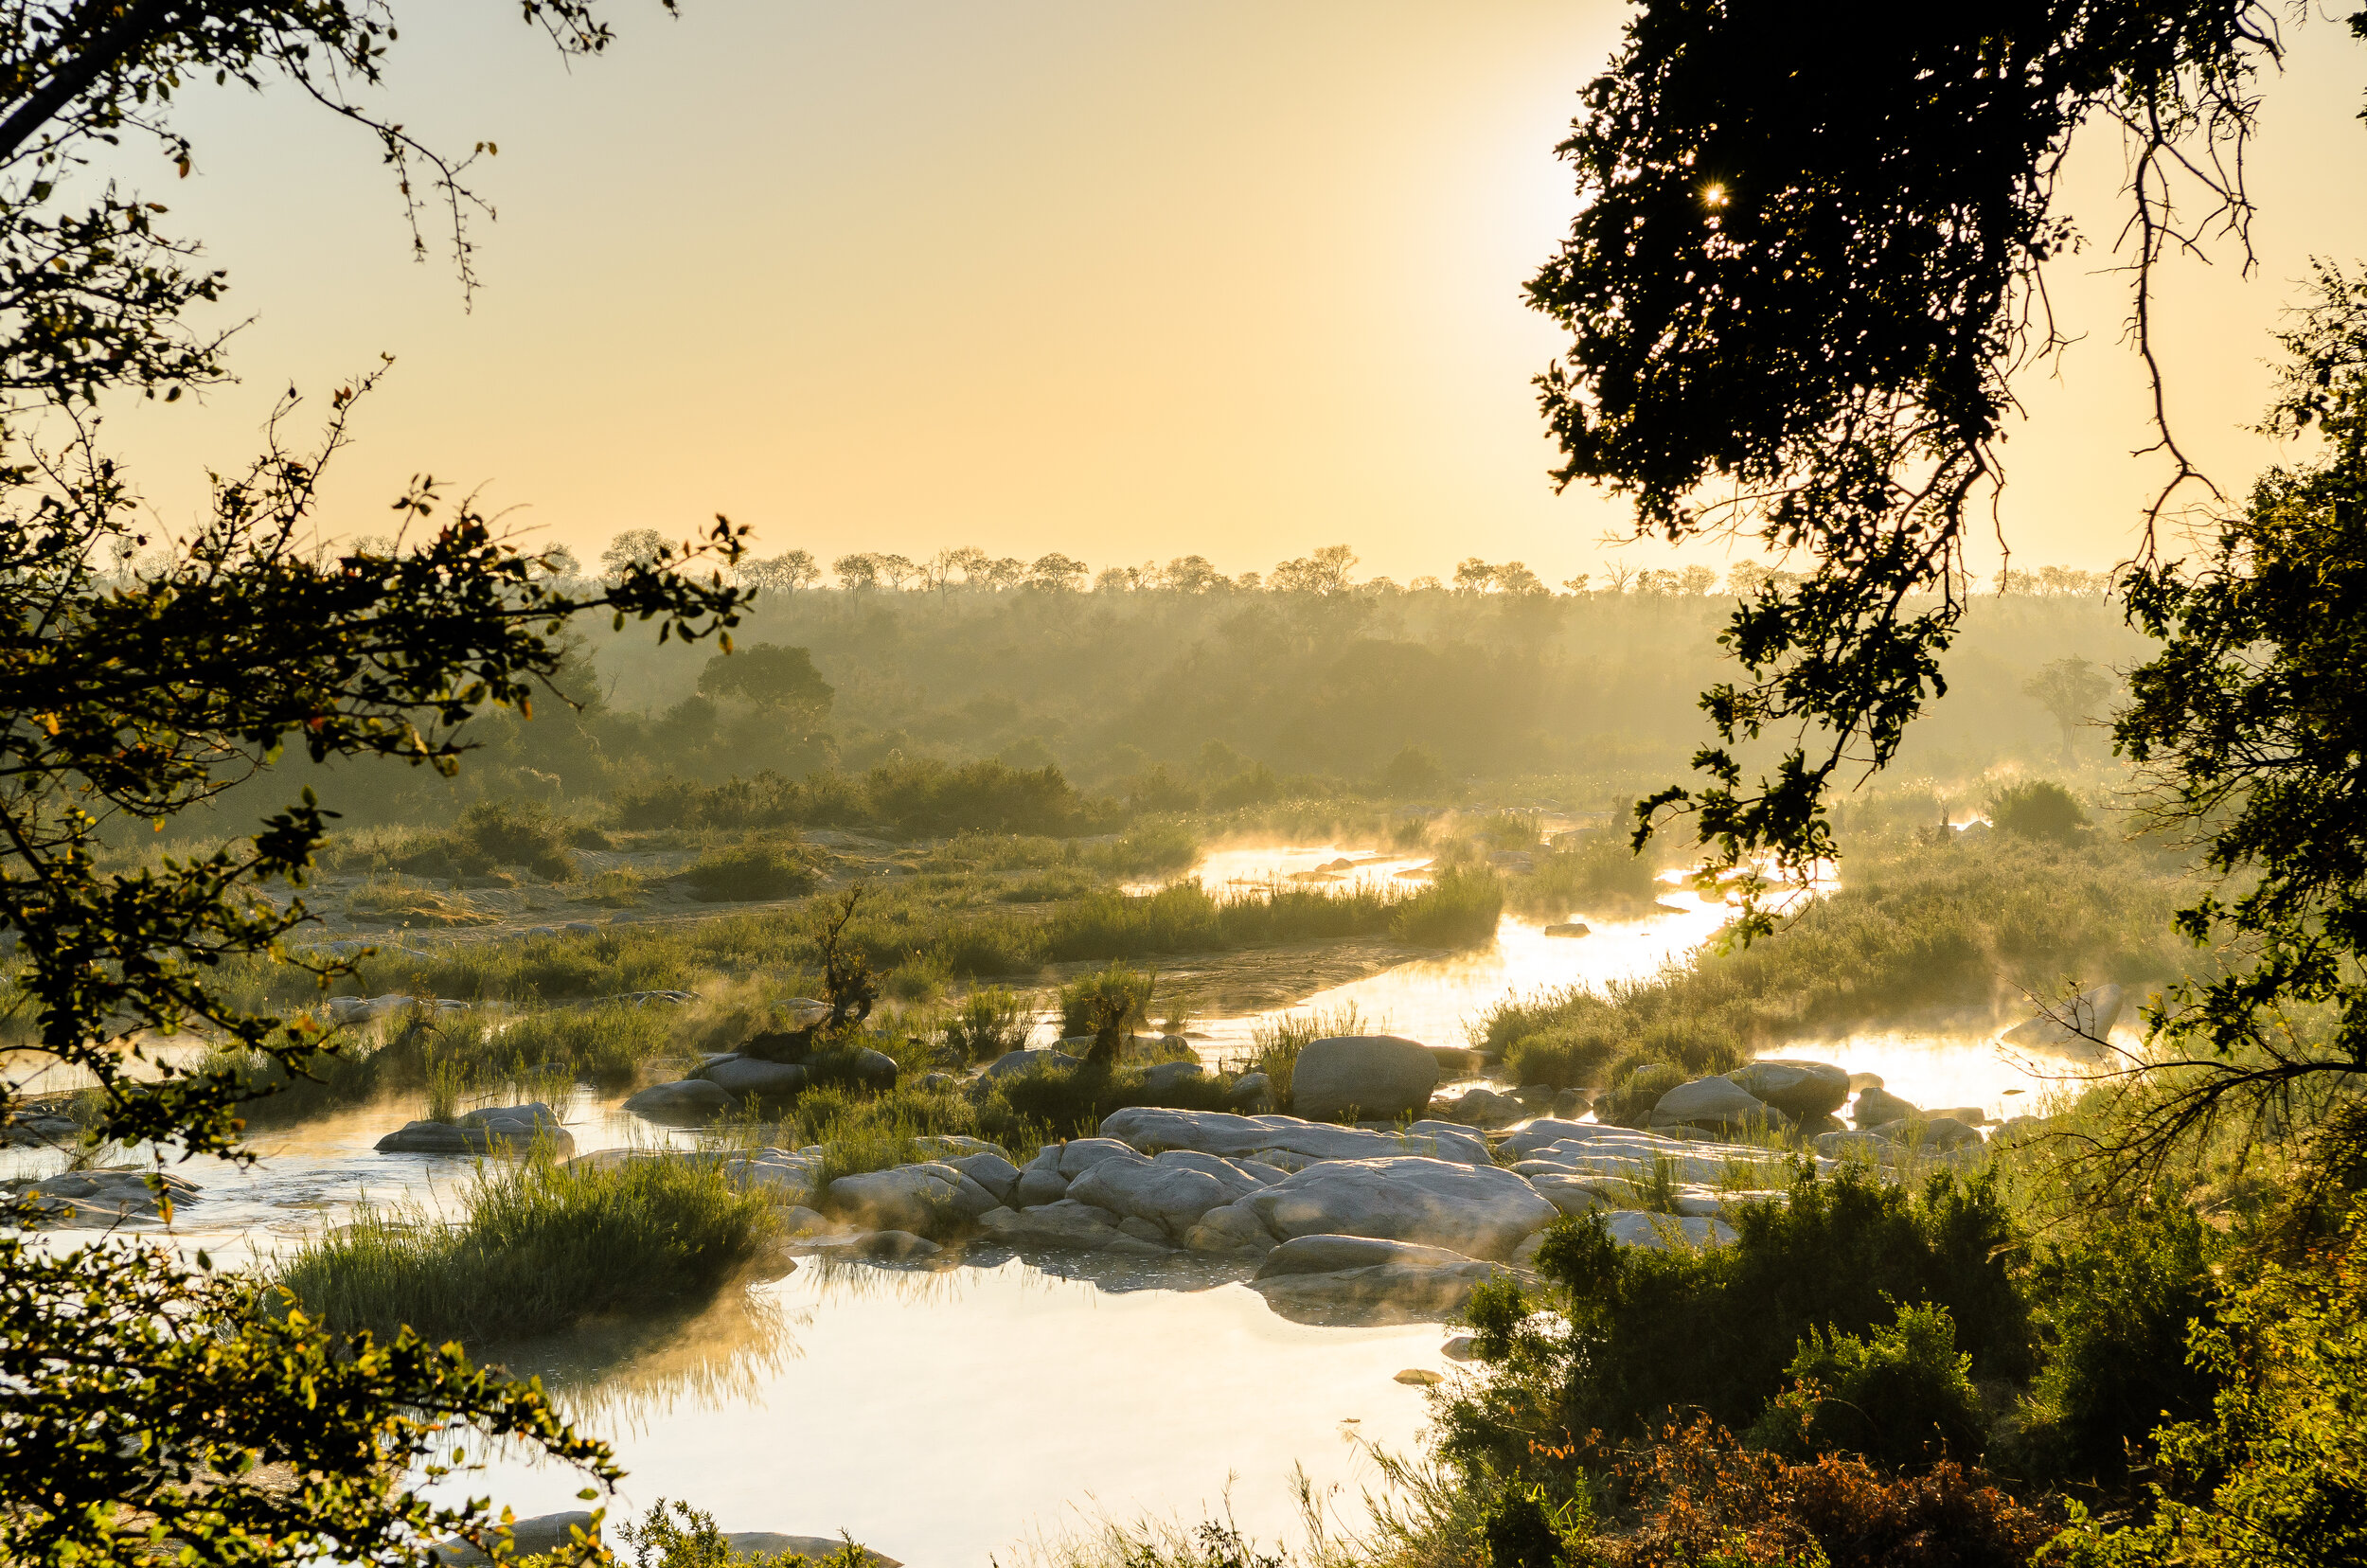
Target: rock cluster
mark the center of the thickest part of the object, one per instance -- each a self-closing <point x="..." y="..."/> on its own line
<point x="95" y="1198"/>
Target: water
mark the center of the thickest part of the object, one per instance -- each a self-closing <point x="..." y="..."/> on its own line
<point x="945" y="1415"/>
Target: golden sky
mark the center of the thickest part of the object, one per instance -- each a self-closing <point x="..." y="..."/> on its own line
<point x="1123" y="280"/>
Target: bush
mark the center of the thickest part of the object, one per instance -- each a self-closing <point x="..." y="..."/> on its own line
<point x="1071" y="1102"/>
<point x="537" y="1247"/>
<point x="1460" y="909"/>
<point x="2038" y="809"/>
<point x="1635" y="1092"/>
<point x="1900" y="1399"/>
<point x="1648" y="1331"/>
<point x="691" y="1540"/>
<point x="989" y="1024"/>
<point x="1105" y="1006"/>
<point x="1586" y="873"/>
<point x="749" y="871"/>
<point x="517" y="833"/>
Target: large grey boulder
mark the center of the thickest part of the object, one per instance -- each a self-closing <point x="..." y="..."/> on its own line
<point x="1251" y="1093"/>
<point x="750" y="1078"/>
<point x="1168" y="1076"/>
<point x="1574" y="1195"/>
<point x="1030" y="1061"/>
<point x="1879" y="1107"/>
<point x="1719" y="1104"/>
<point x="512" y="1130"/>
<point x="1341" y="1279"/>
<point x="1066" y="1225"/>
<point x="926" y="1200"/>
<point x="1078" y="1155"/>
<point x="1151" y="1128"/>
<point x="1235" y="1228"/>
<point x="1483" y="1108"/>
<point x="1801" y="1090"/>
<point x="1371" y="1078"/>
<point x="1038" y="1185"/>
<point x="1172" y="1191"/>
<point x="2089" y="1018"/>
<point x="780" y="1175"/>
<point x="1477" y="1210"/>
<point x="693" y="1102"/>
<point x="989" y="1171"/>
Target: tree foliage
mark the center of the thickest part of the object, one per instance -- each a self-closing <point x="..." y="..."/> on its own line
<point x="1798" y="286"/>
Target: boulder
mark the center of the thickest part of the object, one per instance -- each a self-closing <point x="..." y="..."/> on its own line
<point x="1876" y="1106"/>
<point x="1371" y="1077"/>
<point x="1455" y="1061"/>
<point x="749" y="1077"/>
<point x="1717" y="1103"/>
<point x="1566" y="928"/>
<point x="989" y="1171"/>
<point x="2088" y="1018"/>
<point x="1972" y="1115"/>
<point x="1064" y="1224"/>
<point x="1252" y="1093"/>
<point x="1636" y="1228"/>
<point x="1151" y="1128"/>
<point x="1477" y="1210"/>
<point x="783" y="1176"/>
<point x="1864" y="1080"/>
<point x="1483" y="1108"/>
<point x="1234" y="1228"/>
<point x="1168" y="1075"/>
<point x="1078" y="1155"/>
<point x="693" y="1102"/>
<point x="1801" y="1090"/>
<point x="512" y="1130"/>
<point x="1941" y="1134"/>
<point x="1171" y="1191"/>
<point x="1028" y="1062"/>
<point x="1356" y="1279"/>
<point x="923" y="1198"/>
<point x="1572" y="1195"/>
<point x="1037" y="1187"/>
<point x="1868" y="1145"/>
<point x="96" y="1198"/>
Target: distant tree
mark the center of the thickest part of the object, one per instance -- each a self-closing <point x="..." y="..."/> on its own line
<point x="1416" y="774"/>
<point x="1056" y="572"/>
<point x="2038" y="809"/>
<point x="632" y="548"/>
<point x="1577" y="584"/>
<point x="1113" y="579"/>
<point x="560" y="561"/>
<point x="857" y="572"/>
<point x="1514" y="576"/>
<point x="2069" y="690"/>
<point x="781" y="574"/>
<point x="1424" y="586"/>
<point x="1249" y="582"/>
<point x="1192" y="575"/>
<point x="898" y="570"/>
<point x="1473" y="576"/>
<point x="1697" y="580"/>
<point x="1005" y="572"/>
<point x="1621" y="576"/>
<point x="772" y="677"/>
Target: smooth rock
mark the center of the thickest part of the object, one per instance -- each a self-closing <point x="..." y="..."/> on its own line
<point x="1372" y="1282"/>
<point x="1635" y="1228"/>
<point x="1303" y="1254"/>
<point x="512" y="1130"/>
<point x="96" y="1198"/>
<point x="692" y="1102"/>
<point x="1151" y="1128"/>
<point x="1370" y="1077"/>
<point x="923" y="1198"/>
<point x="1169" y="1076"/>
<point x="1042" y="1059"/>
<point x="779" y="1174"/>
<point x="1876" y="1106"/>
<point x="2088" y="1018"/>
<point x="1142" y="1230"/>
<point x="1172" y="1190"/>
<point x="1482" y="1108"/>
<point x="1864" y="1080"/>
<point x="746" y="1075"/>
<point x="1252" y="1093"/>
<point x="1230" y="1229"/>
<point x="1801" y="1090"/>
<point x="1418" y="1376"/>
<point x="1037" y="1187"/>
<point x="1063" y="1224"/>
<point x="1572" y="1195"/>
<point x="989" y="1171"/>
<point x="1478" y="1211"/>
<point x="1719" y="1104"/>
<point x="1078" y="1155"/>
<point x="1460" y="1349"/>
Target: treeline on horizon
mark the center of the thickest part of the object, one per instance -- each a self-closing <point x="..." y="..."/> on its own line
<point x="1175" y="700"/>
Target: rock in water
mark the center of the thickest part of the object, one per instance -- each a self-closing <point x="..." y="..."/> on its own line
<point x="693" y="1102"/>
<point x="1339" y="1279"/>
<point x="512" y="1130"/>
<point x="1478" y="1211"/>
<point x="2089" y="1017"/>
<point x="1151" y="1128"/>
<point x="1801" y="1090"/>
<point x="1719" y="1104"/>
<point x="748" y="1076"/>
<point x="1879" y="1107"/>
<point x="1566" y="928"/>
<point x="1374" y="1076"/>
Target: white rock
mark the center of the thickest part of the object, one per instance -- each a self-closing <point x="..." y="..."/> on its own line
<point x="1172" y="1190"/>
<point x="1717" y="1103"/>
<point x="1374" y="1077"/>
<point x="691" y="1102"/>
<point x="1479" y="1211"/>
<point x="1282" y="1140"/>
<point x="1036" y="1187"/>
<point x="1078" y="1155"/>
<point x="1573" y="1195"/>
<point x="991" y="1171"/>
<point x="923" y="1198"/>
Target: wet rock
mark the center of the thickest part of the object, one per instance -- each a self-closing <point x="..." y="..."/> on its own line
<point x="1362" y="1280"/>
<point x="511" y="1130"/>
<point x="1064" y="1224"/>
<point x="1143" y="1230"/>
<point x="1418" y="1376"/>
<point x="1876" y="1106"/>
<point x="1046" y="1059"/>
<point x="747" y="1076"/>
<point x="1719" y="1104"/>
<point x="1478" y="1211"/>
<point x="1460" y="1349"/>
<point x="1270" y="1138"/>
<point x="693" y="1102"/>
<point x="1567" y="928"/>
<point x="1635" y="1228"/>
<point x="1376" y="1076"/>
<point x="1482" y="1108"/>
<point x="2089" y="1018"/>
<point x="1171" y="1191"/>
<point x="1801" y="1090"/>
<point x="94" y="1197"/>
<point x="991" y="1171"/>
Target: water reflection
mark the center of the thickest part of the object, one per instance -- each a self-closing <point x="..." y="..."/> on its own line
<point x="620" y="1375"/>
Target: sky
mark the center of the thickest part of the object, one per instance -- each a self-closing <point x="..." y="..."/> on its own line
<point x="1124" y="280"/>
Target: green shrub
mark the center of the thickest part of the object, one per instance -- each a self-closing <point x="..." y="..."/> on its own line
<point x="2115" y="1307"/>
<point x="1635" y="1092"/>
<point x="1900" y="1398"/>
<point x="1071" y="1102"/>
<point x="517" y="833"/>
<point x="2038" y="809"/>
<point x="1459" y="909"/>
<point x="1648" y="1331"/>
<point x="989" y="1024"/>
<point x="1572" y="1056"/>
<point x="1108" y="1005"/>
<point x="689" y="1539"/>
<point x="538" y="1246"/>
<point x="1586" y="873"/>
<point x="750" y="871"/>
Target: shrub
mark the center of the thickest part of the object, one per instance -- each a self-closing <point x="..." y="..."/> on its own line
<point x="989" y="1024"/>
<point x="539" y="1246"/>
<point x="689" y="1540"/>
<point x="1635" y="1092"/>
<point x="1069" y="1102"/>
<point x="2038" y="809"/>
<point x="1460" y="909"/>
<point x="1575" y="1056"/>
<point x="1900" y="1399"/>
<point x="517" y="833"/>
<point x="1588" y="873"/>
<point x="1105" y="1006"/>
<point x="749" y="871"/>
<point x="1415" y="773"/>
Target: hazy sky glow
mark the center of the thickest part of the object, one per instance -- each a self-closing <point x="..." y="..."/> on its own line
<point x="1127" y="282"/>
